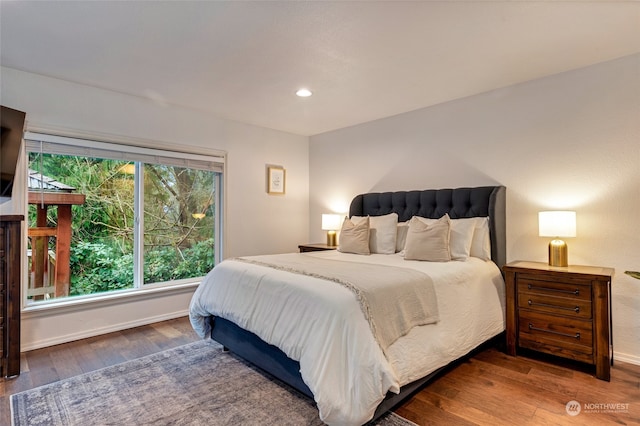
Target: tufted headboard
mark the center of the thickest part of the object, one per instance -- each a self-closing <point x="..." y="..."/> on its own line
<point x="434" y="203"/>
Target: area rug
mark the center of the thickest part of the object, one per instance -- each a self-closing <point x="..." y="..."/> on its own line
<point x="194" y="384"/>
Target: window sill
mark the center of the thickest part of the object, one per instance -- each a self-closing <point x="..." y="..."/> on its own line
<point x="81" y="303"/>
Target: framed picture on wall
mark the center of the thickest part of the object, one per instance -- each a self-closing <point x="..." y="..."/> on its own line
<point x="276" y="180"/>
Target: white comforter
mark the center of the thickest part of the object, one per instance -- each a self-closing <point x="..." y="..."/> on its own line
<point x="323" y="328"/>
<point x="393" y="300"/>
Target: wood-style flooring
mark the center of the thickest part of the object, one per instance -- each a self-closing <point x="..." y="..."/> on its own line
<point x="490" y="388"/>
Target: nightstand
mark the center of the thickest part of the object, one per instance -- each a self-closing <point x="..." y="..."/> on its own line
<point x="562" y="311"/>
<point x="315" y="247"/>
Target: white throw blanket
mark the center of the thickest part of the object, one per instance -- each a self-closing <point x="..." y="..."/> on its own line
<point x="392" y="299"/>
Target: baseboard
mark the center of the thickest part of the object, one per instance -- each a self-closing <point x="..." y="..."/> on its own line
<point x="629" y="359"/>
<point x="101" y="330"/>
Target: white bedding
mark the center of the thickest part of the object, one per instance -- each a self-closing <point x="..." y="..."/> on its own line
<point x="323" y="328"/>
<point x="392" y="299"/>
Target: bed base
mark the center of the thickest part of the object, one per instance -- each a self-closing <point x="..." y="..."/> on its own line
<point x="269" y="358"/>
<point x="250" y="347"/>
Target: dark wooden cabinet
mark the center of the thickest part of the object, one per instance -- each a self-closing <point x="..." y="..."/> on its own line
<point x="10" y="252"/>
<point x="304" y="248"/>
<point x="562" y="311"/>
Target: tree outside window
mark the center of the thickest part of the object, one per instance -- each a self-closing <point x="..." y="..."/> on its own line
<point x="168" y="211"/>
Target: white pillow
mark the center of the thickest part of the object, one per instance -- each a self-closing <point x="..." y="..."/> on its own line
<point x="354" y="237"/>
<point x="481" y="243"/>
<point x="428" y="242"/>
<point x="401" y="236"/>
<point x="460" y="237"/>
<point x="383" y="232"/>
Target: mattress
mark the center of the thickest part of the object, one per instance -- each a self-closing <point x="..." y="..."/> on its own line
<point x="321" y="325"/>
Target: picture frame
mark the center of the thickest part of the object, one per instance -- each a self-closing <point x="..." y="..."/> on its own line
<point x="276" y="180"/>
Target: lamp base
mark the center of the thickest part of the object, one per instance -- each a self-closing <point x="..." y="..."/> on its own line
<point x="558" y="253"/>
<point x="331" y="239"/>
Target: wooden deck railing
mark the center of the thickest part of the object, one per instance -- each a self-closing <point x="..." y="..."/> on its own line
<point x="42" y="276"/>
<point x="47" y="278"/>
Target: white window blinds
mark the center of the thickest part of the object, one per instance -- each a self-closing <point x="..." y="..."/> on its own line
<point x="63" y="145"/>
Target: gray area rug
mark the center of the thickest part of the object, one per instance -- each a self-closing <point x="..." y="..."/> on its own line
<point x="194" y="384"/>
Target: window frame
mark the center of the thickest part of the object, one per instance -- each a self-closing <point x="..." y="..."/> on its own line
<point x="130" y="149"/>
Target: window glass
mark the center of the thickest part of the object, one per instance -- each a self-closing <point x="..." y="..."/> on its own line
<point x="99" y="223"/>
<point x="178" y="222"/>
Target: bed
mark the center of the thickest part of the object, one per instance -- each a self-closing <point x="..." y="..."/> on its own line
<point x="312" y="334"/>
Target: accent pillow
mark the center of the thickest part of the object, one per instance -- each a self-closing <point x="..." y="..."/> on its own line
<point x="383" y="232"/>
<point x="428" y="242"/>
<point x="354" y="238"/>
<point x="460" y="237"/>
<point x="401" y="236"/>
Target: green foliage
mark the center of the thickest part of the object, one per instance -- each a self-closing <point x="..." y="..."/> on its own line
<point x="168" y="263"/>
<point x="634" y="274"/>
<point x="177" y="244"/>
<point x="98" y="268"/>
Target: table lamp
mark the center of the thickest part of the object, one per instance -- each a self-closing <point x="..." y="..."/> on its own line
<point x="331" y="223"/>
<point x="557" y="224"/>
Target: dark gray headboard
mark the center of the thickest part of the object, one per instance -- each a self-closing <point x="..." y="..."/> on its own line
<point x="434" y="203"/>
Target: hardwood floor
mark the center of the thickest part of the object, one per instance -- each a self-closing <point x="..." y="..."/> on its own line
<point x="490" y="388"/>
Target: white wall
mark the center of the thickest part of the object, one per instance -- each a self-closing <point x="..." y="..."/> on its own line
<point x="569" y="141"/>
<point x="256" y="223"/>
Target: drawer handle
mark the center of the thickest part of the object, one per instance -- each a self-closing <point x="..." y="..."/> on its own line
<point x="546" y="305"/>
<point x="575" y="292"/>
<point x="576" y="336"/>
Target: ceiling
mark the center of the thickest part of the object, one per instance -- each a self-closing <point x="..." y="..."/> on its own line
<point x="363" y="60"/>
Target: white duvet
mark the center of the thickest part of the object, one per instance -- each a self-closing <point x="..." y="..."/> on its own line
<point x="320" y="324"/>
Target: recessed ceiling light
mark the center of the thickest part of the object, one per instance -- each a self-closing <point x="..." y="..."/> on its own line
<point x="304" y="93"/>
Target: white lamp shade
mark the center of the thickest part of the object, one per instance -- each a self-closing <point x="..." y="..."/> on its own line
<point x="331" y="222"/>
<point x="557" y="224"/>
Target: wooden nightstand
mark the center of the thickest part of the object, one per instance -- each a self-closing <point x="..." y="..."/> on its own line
<point x="315" y="247"/>
<point x="560" y="311"/>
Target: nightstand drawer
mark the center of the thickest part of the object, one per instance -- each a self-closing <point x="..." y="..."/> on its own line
<point x="570" y="338"/>
<point x="578" y="290"/>
<point x="556" y="330"/>
<point x="575" y="308"/>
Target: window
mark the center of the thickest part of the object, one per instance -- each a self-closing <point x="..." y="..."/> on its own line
<point x="107" y="217"/>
